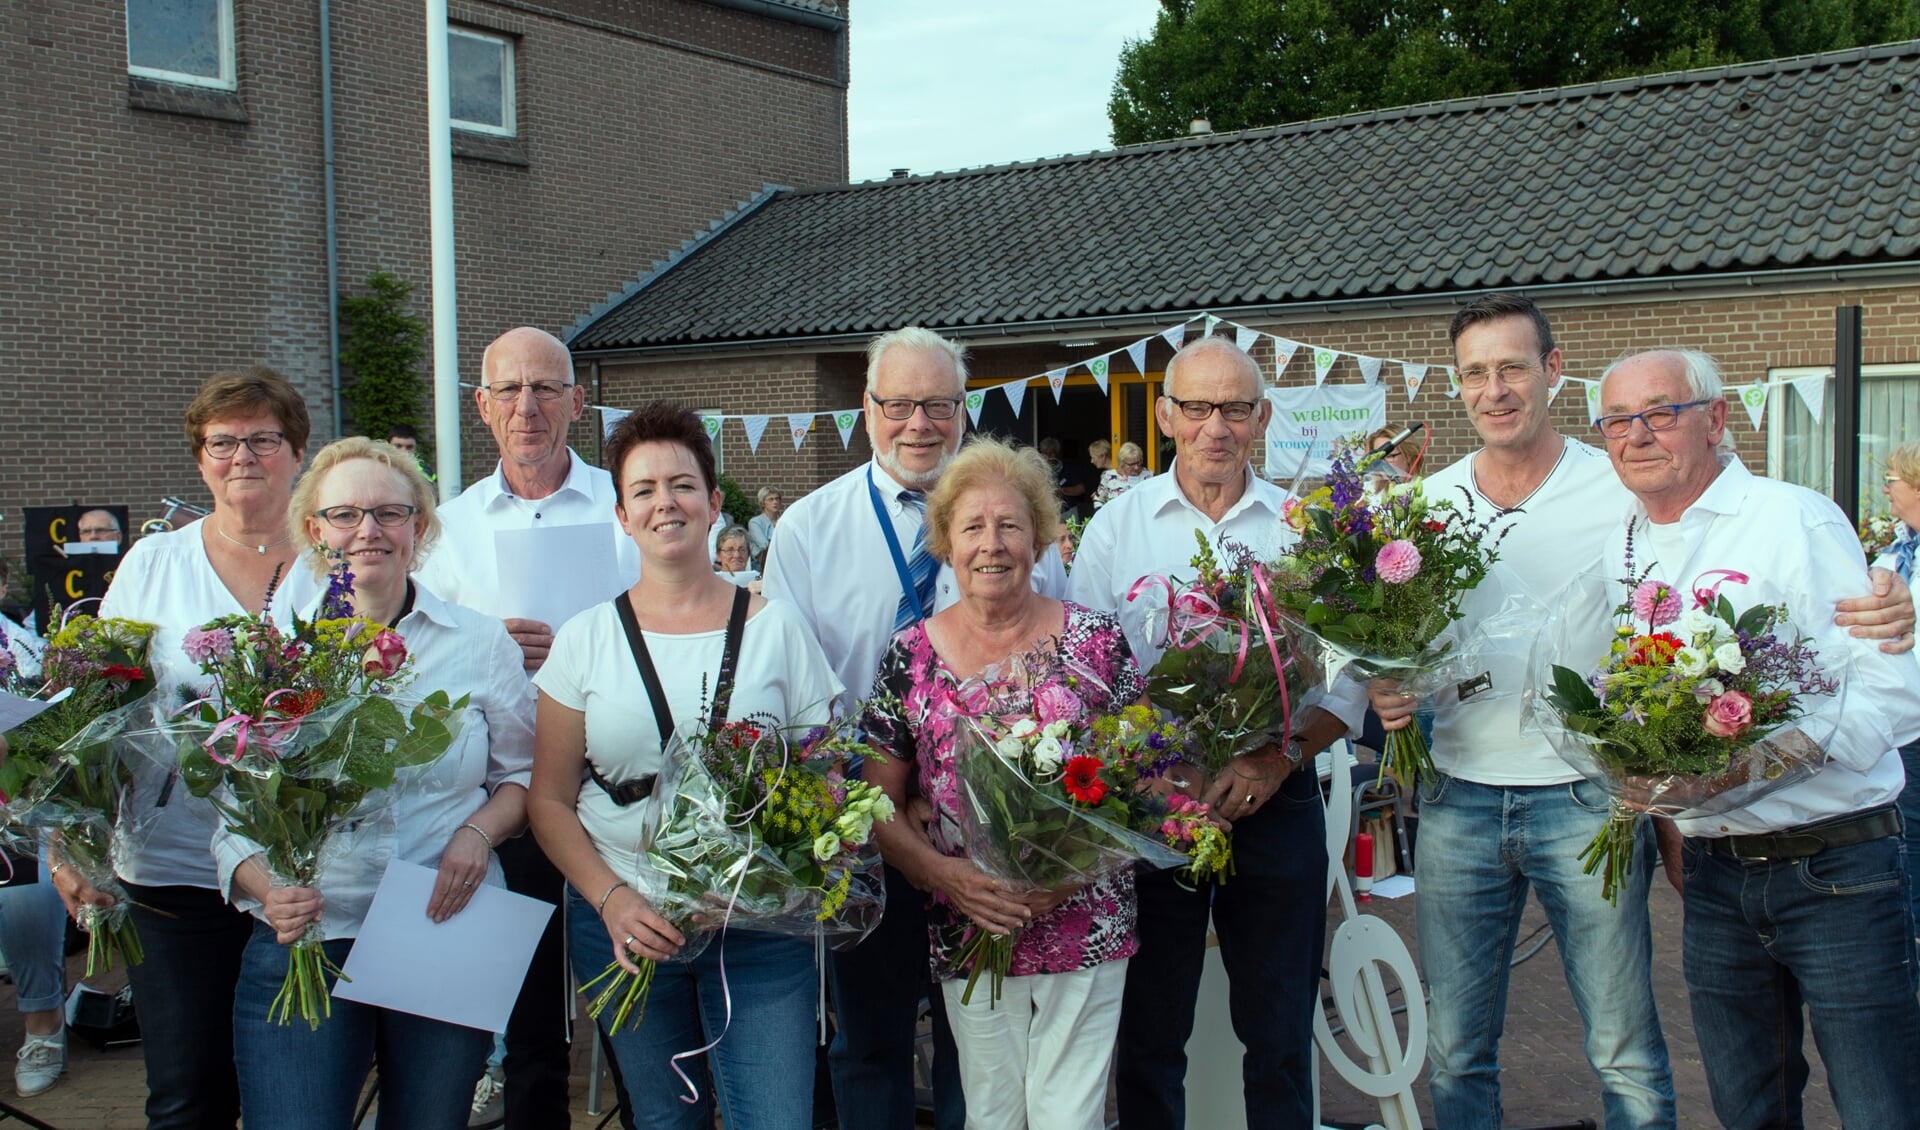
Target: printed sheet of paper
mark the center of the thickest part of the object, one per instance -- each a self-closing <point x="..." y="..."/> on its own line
<point x="16" y="711"/>
<point x="1393" y="887"/>
<point x="532" y="562"/>
<point x="466" y="970"/>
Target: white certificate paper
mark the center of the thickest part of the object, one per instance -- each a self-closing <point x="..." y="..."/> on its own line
<point x="533" y="562"/>
<point x="466" y="970"/>
<point x="16" y="711"/>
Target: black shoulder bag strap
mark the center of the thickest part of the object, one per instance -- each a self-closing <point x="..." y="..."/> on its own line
<point x="637" y="790"/>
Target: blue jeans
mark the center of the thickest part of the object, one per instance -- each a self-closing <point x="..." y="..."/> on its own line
<point x="1271" y="915"/>
<point x="33" y="935"/>
<point x="293" y="1077"/>
<point x="877" y="988"/>
<point x="1910" y="813"/>
<point x="1481" y="848"/>
<point x="762" y="1071"/>
<point x="1831" y="932"/>
<point x="184" y="993"/>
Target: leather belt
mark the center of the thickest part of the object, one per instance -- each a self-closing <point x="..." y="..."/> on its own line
<point x="1812" y="839"/>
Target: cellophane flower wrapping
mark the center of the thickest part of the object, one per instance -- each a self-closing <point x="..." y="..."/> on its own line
<point x="1234" y="669"/>
<point x="1677" y="706"/>
<point x="65" y="775"/>
<point x="1376" y="581"/>
<point x="753" y="824"/>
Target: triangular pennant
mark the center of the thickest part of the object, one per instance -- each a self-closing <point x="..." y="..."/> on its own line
<point x="1754" y="399"/>
<point x="1244" y="337"/>
<point x="801" y="423"/>
<point x="976" y="400"/>
<point x="1175" y="336"/>
<point x="1016" y="393"/>
<point x="1098" y="367"/>
<point x="1138" y="352"/>
<point x="1211" y="322"/>
<point x="1813" y="394"/>
<point x="1593" y="401"/>
<point x="1057" y="380"/>
<point x="845" y="421"/>
<point x="609" y="417"/>
<point x="1323" y="360"/>
<point x="756" y="427"/>
<point x="1283" y="351"/>
<point x="1453" y="383"/>
<point x="1553" y="390"/>
<point x="1413" y="376"/>
<point x="1369" y="368"/>
<point x="712" y="424"/>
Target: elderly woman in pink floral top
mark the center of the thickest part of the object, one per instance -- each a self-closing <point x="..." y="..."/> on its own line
<point x="1039" y="1058"/>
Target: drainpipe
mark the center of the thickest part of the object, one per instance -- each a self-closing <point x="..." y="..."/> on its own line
<point x="333" y="231"/>
<point x="446" y="336"/>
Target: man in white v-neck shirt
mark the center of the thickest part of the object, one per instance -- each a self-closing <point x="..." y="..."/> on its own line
<point x="1505" y="813"/>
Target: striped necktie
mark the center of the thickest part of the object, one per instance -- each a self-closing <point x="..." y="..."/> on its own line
<point x="920" y="564"/>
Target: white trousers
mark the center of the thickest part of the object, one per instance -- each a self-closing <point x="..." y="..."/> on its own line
<point x="1038" y="1060"/>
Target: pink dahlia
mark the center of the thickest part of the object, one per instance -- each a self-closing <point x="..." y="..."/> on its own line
<point x="1397" y="562"/>
<point x="1656" y="603"/>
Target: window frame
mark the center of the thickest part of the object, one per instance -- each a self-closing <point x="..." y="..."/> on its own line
<point x="1784" y="409"/>
<point x="509" y="84"/>
<point x="229" y="77"/>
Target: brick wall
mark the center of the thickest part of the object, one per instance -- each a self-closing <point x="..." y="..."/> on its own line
<point x="153" y="235"/>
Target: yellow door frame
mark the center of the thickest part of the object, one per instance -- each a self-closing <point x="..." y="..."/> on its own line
<point x="1116" y="434"/>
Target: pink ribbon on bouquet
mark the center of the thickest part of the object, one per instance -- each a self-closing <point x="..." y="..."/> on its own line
<point x="1192" y="618"/>
<point x="1704" y="596"/>
<point x="272" y="732"/>
<point x="1279" y="665"/>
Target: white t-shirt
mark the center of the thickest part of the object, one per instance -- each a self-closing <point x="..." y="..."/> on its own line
<point x="166" y="580"/>
<point x="781" y="672"/>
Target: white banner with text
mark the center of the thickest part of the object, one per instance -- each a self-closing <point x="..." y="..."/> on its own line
<point x="1308" y="420"/>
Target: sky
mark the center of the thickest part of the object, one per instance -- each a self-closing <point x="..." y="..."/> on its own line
<point x="937" y="85"/>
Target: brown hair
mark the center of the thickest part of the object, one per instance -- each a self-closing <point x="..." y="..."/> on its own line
<point x="659" y="422"/>
<point x="1489" y="307"/>
<point x="244" y="392"/>
<point x="985" y="460"/>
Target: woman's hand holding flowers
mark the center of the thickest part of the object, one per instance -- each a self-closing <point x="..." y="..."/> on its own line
<point x="290" y="910"/>
<point x="638" y="930"/>
<point x="993" y="905"/>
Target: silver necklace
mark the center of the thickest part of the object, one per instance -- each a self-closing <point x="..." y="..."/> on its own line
<point x="261" y="549"/>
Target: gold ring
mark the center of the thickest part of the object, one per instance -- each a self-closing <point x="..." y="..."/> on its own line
<point x="1249" y="798"/>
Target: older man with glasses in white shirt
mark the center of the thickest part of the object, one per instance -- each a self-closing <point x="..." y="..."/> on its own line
<point x="851" y="557"/>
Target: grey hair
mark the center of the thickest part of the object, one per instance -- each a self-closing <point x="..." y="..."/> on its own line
<point x="1213" y="344"/>
<point x="1702" y="372"/>
<point x="915" y="337"/>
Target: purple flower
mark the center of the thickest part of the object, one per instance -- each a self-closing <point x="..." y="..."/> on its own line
<point x="338" y="603"/>
<point x="1397" y="562"/>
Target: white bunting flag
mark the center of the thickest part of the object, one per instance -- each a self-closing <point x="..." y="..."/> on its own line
<point x="1244" y="337"/>
<point x="1283" y="351"/>
<point x="756" y="427"/>
<point x="845" y="421"/>
<point x="1593" y="401"/>
<point x="1813" y="394"/>
<point x="1057" y="380"/>
<point x="976" y="400"/>
<point x="1098" y="367"/>
<point x="1453" y="383"/>
<point x="1369" y="368"/>
<point x="1175" y="336"/>
<point x="1211" y="322"/>
<point x="1754" y="399"/>
<point x="1016" y="393"/>
<point x="1323" y="360"/>
<point x="1413" y="376"/>
<point x="1553" y="390"/>
<point x="800" y="422"/>
<point x="609" y="417"/>
<point x="1138" y="352"/>
<point x="712" y="424"/>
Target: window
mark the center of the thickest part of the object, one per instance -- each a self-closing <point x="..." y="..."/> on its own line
<point x="1801" y="451"/>
<point x="480" y="81"/>
<point x="183" y="41"/>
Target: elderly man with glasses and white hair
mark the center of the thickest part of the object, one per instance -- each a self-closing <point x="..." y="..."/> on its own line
<point x="852" y="558"/>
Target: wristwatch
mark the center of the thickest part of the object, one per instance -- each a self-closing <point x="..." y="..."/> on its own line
<point x="1294" y="752"/>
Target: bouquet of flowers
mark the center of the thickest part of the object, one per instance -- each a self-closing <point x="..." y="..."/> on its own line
<point x="298" y="733"/>
<point x="1877" y="532"/>
<point x="1376" y="580"/>
<point x="1689" y="713"/>
<point x="1052" y="793"/>
<point x="753" y="828"/>
<point x="1229" y="673"/>
<point x="63" y="771"/>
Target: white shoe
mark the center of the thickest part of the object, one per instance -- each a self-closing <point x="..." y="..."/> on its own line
<point x="39" y="1064"/>
<point x="489" y="1101"/>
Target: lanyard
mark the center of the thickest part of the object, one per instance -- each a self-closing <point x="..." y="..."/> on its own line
<point x="910" y="590"/>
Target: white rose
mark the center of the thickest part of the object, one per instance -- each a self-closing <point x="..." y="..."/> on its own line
<point x="1727" y="656"/>
<point x="882" y="807"/>
<point x="1055" y="730"/>
<point x="1690" y="661"/>
<point x="1009" y="748"/>
<point x="826" y="847"/>
<point x="1047" y="755"/>
<point x="1698" y="622"/>
<point x="1024" y="727"/>
<point x="854" y="827"/>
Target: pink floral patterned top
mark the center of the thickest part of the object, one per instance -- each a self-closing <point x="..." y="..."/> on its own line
<point x="914" y="717"/>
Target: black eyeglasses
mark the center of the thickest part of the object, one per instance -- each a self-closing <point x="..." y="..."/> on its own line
<point x="260" y="443"/>
<point x="350" y="517"/>
<point x="1513" y="372"/>
<point x="509" y="393"/>
<point x="1233" y="411"/>
<point x="900" y="408"/>
<point x="1658" y="419"/>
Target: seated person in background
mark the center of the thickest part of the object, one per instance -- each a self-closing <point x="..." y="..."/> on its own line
<point x="1130" y="470"/>
<point x="732" y="560"/>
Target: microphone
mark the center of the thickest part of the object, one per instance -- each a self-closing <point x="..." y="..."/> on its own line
<point x="1382" y="451"/>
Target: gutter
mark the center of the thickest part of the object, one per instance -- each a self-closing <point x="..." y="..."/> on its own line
<point x="792" y="13"/>
<point x="1904" y="273"/>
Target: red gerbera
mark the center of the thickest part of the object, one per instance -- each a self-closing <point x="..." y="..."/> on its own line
<point x="1657" y="648"/>
<point x="1082" y="780"/>
<point x="1435" y="527"/>
<point x="302" y="704"/>
<point x="124" y="674"/>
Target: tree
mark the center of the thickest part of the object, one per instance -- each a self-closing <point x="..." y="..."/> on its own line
<point x="1246" y="63"/>
<point x="383" y="344"/>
